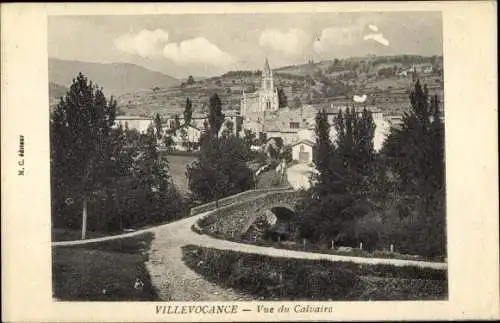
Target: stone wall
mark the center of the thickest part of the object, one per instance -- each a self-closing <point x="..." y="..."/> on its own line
<point x="233" y="199"/>
<point x="230" y="221"/>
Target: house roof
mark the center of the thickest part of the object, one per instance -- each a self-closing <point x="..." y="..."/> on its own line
<point x="304" y="141"/>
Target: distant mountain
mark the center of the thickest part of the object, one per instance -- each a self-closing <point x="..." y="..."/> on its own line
<point x="56" y="91"/>
<point x="115" y="78"/>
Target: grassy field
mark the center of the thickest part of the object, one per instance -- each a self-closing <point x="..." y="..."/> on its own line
<point x="177" y="166"/>
<point x="113" y="270"/>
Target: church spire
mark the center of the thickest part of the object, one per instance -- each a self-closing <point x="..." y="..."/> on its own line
<point x="267" y="77"/>
<point x="267" y="69"/>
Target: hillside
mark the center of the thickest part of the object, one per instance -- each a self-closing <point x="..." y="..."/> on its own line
<point x="56" y="91"/>
<point x="115" y="78"/>
<point x="320" y="83"/>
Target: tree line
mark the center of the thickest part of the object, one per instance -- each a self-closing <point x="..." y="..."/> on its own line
<point x="105" y="178"/>
<point x="393" y="197"/>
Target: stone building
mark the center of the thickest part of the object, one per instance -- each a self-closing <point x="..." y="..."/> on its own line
<point x="254" y="107"/>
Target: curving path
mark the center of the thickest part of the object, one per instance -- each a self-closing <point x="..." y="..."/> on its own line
<point x="176" y="282"/>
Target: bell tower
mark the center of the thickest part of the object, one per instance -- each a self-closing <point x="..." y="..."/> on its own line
<point x="267" y="78"/>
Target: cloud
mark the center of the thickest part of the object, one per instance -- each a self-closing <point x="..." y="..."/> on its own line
<point x="292" y="42"/>
<point x="379" y="38"/>
<point x="197" y="50"/>
<point x="341" y="36"/>
<point x="373" y="28"/>
<point x="146" y="43"/>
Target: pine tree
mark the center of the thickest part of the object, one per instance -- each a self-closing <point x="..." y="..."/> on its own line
<point x="282" y="99"/>
<point x="327" y="211"/>
<point x="158" y="127"/>
<point x="354" y="145"/>
<point x="323" y="154"/>
<point x="188" y="111"/>
<point x="215" y="115"/>
<point x="415" y="152"/>
<point x="80" y="138"/>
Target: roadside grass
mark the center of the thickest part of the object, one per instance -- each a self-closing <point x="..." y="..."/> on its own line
<point x="273" y="278"/>
<point x="309" y="247"/>
<point x="112" y="270"/>
<point x="59" y="234"/>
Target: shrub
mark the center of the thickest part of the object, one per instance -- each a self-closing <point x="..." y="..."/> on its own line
<point x="270" y="277"/>
<point x="283" y="278"/>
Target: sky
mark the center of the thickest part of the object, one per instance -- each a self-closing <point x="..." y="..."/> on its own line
<point x="210" y="44"/>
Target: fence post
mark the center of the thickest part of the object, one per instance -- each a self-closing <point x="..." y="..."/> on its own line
<point x="333" y="245"/>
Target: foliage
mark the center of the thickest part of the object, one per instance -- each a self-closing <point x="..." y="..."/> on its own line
<point x="269" y="277"/>
<point x="117" y="172"/>
<point x="282" y="99"/>
<point x="221" y="168"/>
<point x="190" y="80"/>
<point x="188" y="111"/>
<point x="354" y="144"/>
<point x="296" y="104"/>
<point x="249" y="138"/>
<point x="158" y="127"/>
<point x="215" y="115"/>
<point x="327" y="211"/>
<point x="415" y="153"/>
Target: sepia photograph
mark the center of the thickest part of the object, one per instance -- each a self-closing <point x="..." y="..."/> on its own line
<point x="248" y="157"/>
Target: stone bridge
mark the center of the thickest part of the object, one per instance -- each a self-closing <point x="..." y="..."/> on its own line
<point x="233" y="220"/>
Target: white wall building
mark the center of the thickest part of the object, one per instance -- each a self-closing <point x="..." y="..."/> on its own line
<point x="302" y="151"/>
<point x="134" y="122"/>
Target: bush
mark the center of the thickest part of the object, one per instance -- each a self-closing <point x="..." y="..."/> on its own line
<point x="272" y="278"/>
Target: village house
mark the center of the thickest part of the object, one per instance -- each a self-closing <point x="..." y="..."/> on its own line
<point x="187" y="136"/>
<point x="302" y="151"/>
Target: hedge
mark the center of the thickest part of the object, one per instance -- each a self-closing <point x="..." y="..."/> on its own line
<point x="274" y="278"/>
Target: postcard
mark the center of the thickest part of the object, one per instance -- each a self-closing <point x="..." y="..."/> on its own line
<point x="249" y="162"/>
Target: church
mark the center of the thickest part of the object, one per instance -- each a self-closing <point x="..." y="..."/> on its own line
<point x="260" y="113"/>
<point x="255" y="107"/>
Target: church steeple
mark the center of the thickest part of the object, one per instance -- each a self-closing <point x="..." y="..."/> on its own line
<point x="267" y="77"/>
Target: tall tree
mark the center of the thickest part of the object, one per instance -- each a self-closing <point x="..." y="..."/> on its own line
<point x="177" y="122"/>
<point x="415" y="154"/>
<point x="158" y="127"/>
<point x="215" y="115"/>
<point x="282" y="99"/>
<point x="221" y="169"/>
<point x="190" y="80"/>
<point x="416" y="151"/>
<point x="80" y="134"/>
<point x="327" y="210"/>
<point x="188" y="111"/>
<point x="354" y="145"/>
<point x="296" y="103"/>
<point x="323" y="154"/>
